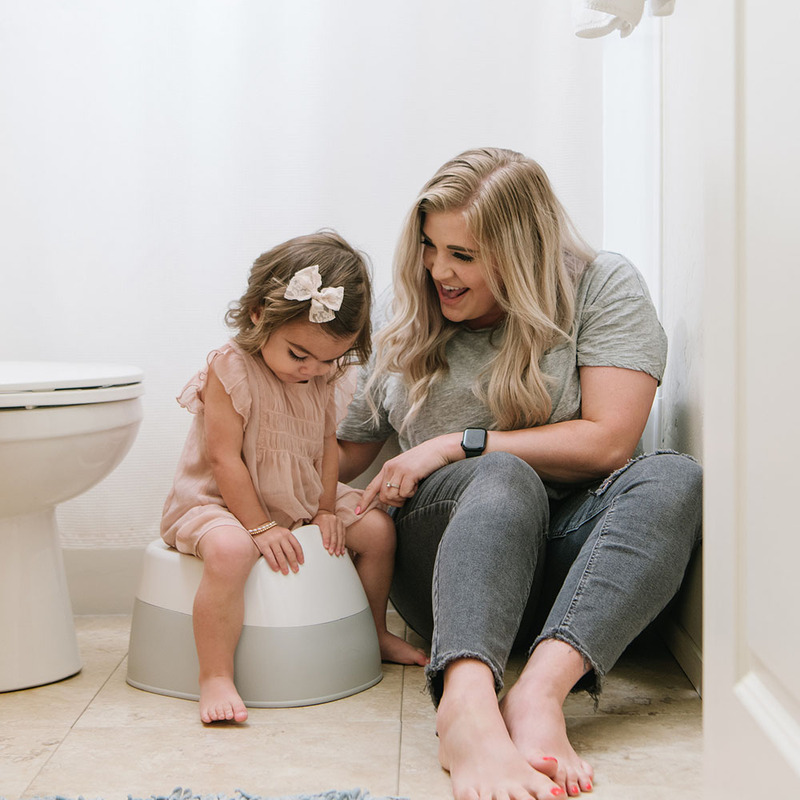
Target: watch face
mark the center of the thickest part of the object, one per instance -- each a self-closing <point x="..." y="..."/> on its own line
<point x="474" y="439"/>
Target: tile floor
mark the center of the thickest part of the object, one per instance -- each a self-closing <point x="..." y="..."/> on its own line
<point x="95" y="736"/>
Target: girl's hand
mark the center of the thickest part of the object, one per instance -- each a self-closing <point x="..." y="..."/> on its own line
<point x="400" y="476"/>
<point x="333" y="532"/>
<point x="280" y="549"/>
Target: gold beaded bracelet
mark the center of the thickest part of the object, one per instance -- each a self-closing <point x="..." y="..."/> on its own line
<point x="262" y="528"/>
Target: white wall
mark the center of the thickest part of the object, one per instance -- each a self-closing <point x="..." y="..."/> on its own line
<point x="151" y="149"/>
<point x="654" y="213"/>
<point x="687" y="194"/>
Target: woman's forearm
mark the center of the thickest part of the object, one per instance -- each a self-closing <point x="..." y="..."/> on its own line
<point x="566" y="452"/>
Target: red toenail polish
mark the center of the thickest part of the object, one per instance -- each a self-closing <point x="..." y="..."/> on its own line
<point x="556" y="790"/>
<point x="549" y="758"/>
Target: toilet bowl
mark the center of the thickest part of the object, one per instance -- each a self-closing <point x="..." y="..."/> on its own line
<point x="308" y="637"/>
<point x="63" y="428"/>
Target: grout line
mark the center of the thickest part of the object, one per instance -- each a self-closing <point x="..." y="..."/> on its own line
<point x="71" y="727"/>
<point x="101" y="687"/>
<point x="401" y="720"/>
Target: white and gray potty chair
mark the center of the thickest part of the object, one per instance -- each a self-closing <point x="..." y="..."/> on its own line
<point x="308" y="637"/>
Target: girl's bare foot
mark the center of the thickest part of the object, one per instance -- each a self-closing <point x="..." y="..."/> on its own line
<point x="399" y="651"/>
<point x="535" y="722"/>
<point x="474" y="745"/>
<point x="220" y="702"/>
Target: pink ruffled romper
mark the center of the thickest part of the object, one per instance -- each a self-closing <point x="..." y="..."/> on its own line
<point x="284" y="430"/>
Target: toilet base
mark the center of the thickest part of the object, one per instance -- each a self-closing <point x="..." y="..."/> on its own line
<point x="275" y="667"/>
<point x="39" y="644"/>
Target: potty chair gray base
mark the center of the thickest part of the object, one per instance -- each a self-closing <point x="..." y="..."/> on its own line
<point x="306" y="639"/>
<point x="274" y="667"/>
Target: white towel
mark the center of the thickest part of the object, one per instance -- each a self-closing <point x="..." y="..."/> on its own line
<point x="595" y="18"/>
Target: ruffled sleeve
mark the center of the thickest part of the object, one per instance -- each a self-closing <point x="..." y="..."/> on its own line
<point x="232" y="372"/>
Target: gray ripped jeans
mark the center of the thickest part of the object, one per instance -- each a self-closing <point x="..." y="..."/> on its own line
<point x="485" y="560"/>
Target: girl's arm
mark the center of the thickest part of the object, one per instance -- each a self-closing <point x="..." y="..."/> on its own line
<point x="615" y="404"/>
<point x="330" y="474"/>
<point x="224" y="430"/>
<point x="332" y="528"/>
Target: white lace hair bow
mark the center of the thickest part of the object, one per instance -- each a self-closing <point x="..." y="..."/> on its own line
<point x="305" y="285"/>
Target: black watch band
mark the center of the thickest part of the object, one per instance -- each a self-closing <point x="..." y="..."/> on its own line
<point x="473" y="441"/>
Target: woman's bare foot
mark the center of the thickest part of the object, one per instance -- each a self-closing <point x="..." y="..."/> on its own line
<point x="532" y="710"/>
<point x="474" y="745"/>
<point x="220" y="702"/>
<point x="399" y="651"/>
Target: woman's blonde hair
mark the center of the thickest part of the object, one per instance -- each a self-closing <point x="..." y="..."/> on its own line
<point x="262" y="309"/>
<point x="534" y="258"/>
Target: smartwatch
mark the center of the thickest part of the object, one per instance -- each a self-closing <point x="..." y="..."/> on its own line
<point x="473" y="442"/>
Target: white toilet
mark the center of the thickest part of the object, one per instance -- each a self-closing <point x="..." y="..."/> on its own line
<point x="63" y="428"/>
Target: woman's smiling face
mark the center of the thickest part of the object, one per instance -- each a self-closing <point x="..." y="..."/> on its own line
<point x="451" y="256"/>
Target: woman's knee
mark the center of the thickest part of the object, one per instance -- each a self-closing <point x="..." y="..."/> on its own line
<point x="503" y="474"/>
<point x="668" y="487"/>
<point x="508" y="490"/>
<point x="679" y="476"/>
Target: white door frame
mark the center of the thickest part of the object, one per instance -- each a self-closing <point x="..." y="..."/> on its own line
<point x="752" y="433"/>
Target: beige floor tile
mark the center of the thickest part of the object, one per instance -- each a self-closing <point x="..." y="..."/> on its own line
<point x="24" y="750"/>
<point x="93" y="735"/>
<point x="260" y="759"/>
<point x="637" y="757"/>
<point x="394" y="622"/>
<point x="103" y="643"/>
<point x="121" y="704"/>
<point x="118" y="703"/>
<point x="421" y="776"/>
<point x="417" y="704"/>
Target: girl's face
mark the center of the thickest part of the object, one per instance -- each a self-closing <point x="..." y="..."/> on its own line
<point x="451" y="256"/>
<point x="301" y="350"/>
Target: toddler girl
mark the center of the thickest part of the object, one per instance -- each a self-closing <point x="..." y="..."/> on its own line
<point x="261" y="457"/>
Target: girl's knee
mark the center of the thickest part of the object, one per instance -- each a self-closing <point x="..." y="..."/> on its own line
<point x="375" y="533"/>
<point x="227" y="550"/>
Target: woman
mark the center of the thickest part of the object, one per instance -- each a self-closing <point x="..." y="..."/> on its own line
<point x="518" y="369"/>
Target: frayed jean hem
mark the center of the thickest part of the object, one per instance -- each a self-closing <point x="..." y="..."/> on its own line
<point x="592" y="681"/>
<point x="434" y="672"/>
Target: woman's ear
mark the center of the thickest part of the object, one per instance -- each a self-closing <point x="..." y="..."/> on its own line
<point x="255" y="316"/>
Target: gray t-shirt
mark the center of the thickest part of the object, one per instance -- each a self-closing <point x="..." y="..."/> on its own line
<point x="617" y="326"/>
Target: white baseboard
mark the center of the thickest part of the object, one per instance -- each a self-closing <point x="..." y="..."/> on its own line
<point x="681" y="626"/>
<point x="684" y="649"/>
<point x="103" y="580"/>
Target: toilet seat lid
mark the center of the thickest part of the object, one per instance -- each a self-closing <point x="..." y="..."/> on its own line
<point x="29" y="384"/>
